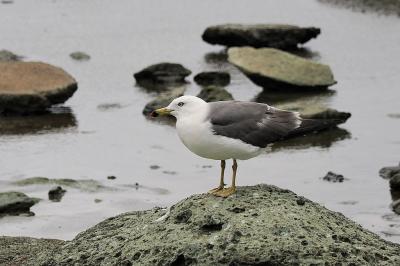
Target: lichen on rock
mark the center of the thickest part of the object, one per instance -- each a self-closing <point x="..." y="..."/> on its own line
<point x="259" y="225"/>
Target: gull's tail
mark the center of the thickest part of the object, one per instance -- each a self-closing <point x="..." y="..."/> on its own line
<point x="315" y="125"/>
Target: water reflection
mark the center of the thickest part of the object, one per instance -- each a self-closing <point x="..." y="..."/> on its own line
<point x="299" y="98"/>
<point x="57" y="120"/>
<point x="324" y="139"/>
<point x="219" y="57"/>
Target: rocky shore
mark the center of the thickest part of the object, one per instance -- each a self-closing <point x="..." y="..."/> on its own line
<point x="260" y="225"/>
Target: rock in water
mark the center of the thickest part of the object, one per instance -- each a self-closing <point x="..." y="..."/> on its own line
<point x="213" y="78"/>
<point x="273" y="69"/>
<point x="261" y="35"/>
<point x="32" y="87"/>
<point x="163" y="99"/>
<point x="332" y="177"/>
<point x="6" y="56"/>
<point x="15" y="203"/>
<point x="56" y="193"/>
<point x="389" y="171"/>
<point x="80" y="56"/>
<point x="214" y="94"/>
<point x="260" y="225"/>
<point x="162" y="74"/>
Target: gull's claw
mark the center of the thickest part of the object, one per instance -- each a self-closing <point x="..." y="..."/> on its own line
<point x="226" y="192"/>
<point x="215" y="190"/>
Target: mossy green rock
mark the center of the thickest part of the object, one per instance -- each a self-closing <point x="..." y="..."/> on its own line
<point x="277" y="70"/>
<point x="259" y="225"/>
<point x="82" y="184"/>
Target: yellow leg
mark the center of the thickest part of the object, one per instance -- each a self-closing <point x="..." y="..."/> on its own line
<point x="221" y="181"/>
<point x="230" y="190"/>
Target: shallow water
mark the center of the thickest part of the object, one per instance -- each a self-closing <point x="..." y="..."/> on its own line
<point x="94" y="141"/>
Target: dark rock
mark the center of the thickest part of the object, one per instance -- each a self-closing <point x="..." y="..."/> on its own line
<point x="332" y="177"/>
<point x="24" y="250"/>
<point x="213" y="78"/>
<point x="389" y="171"/>
<point x="32" y="87"/>
<point x="80" y="56"/>
<point x="301" y="201"/>
<point x="97" y="200"/>
<point x="15" y="203"/>
<point x="56" y="193"/>
<point x="111" y="177"/>
<point x="261" y="35"/>
<point x="207" y="233"/>
<point x="165" y="74"/>
<point x="154" y="167"/>
<point x="396" y="206"/>
<point x="6" y="56"/>
<point x="394" y="182"/>
<point x="163" y="99"/>
<point x="273" y="69"/>
<point x="214" y="94"/>
<point x="385" y="7"/>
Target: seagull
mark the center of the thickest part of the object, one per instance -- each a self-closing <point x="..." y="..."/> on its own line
<point x="225" y="130"/>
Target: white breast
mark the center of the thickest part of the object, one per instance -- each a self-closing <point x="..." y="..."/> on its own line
<point x="197" y="135"/>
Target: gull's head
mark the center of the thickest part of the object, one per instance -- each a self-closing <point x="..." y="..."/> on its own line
<point x="183" y="106"/>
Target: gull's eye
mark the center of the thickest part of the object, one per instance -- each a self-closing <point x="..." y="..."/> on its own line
<point x="180" y="104"/>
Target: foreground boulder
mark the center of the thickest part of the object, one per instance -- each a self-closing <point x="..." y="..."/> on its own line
<point x="260" y="225"/>
<point x="162" y="75"/>
<point x="273" y="69"/>
<point x="24" y="250"/>
<point x="32" y="87"/>
<point x="15" y="203"/>
<point x="259" y="35"/>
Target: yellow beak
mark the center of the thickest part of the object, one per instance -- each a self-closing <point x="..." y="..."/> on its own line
<point x="161" y="111"/>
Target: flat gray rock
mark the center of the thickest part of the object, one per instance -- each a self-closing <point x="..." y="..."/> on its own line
<point x="260" y="35"/>
<point x="32" y="87"/>
<point x="260" y="225"/>
<point x="273" y="69"/>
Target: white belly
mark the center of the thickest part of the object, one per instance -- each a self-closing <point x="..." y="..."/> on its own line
<point x="199" y="139"/>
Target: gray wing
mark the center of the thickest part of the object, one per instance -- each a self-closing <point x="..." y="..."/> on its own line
<point x="254" y="123"/>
